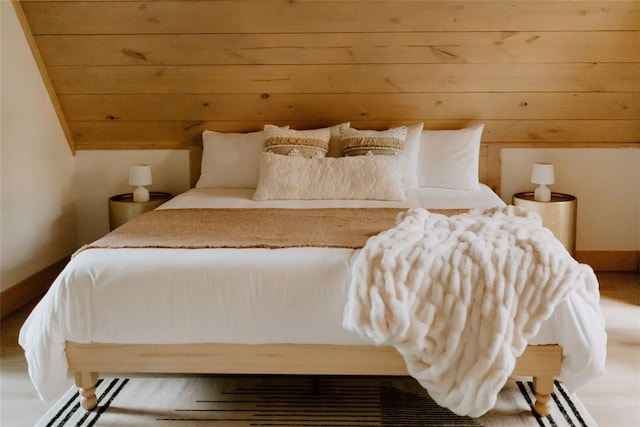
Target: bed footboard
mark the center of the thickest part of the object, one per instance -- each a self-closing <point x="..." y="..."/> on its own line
<point x="542" y="362"/>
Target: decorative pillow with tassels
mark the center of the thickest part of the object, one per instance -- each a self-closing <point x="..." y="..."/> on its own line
<point x="313" y="143"/>
<point x="368" y="142"/>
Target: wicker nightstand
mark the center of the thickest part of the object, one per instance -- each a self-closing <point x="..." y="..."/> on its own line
<point x="122" y="208"/>
<point x="558" y="215"/>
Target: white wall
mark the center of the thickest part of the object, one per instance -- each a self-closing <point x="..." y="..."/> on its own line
<point x="101" y="174"/>
<point x="605" y="181"/>
<point x="38" y="216"/>
<point x="53" y="202"/>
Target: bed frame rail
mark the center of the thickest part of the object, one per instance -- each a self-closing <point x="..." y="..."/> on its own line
<point x="542" y="362"/>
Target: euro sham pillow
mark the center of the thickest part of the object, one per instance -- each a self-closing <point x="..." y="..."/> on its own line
<point x="450" y="158"/>
<point x="330" y="178"/>
<point x="230" y="160"/>
<point x="311" y="143"/>
<point x="366" y="142"/>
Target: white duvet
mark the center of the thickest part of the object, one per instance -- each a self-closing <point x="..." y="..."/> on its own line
<point x="252" y="296"/>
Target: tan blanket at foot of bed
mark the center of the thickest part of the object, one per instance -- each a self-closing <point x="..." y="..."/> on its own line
<point x="253" y="228"/>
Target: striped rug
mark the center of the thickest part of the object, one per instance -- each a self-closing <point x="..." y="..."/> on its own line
<point x="297" y="401"/>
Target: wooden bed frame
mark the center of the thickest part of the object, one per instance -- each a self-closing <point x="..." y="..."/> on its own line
<point x="542" y="362"/>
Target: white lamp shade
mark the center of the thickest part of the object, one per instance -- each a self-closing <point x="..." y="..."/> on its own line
<point x="140" y="175"/>
<point x="542" y="173"/>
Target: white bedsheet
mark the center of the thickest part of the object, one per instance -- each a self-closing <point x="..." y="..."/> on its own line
<point x="294" y="295"/>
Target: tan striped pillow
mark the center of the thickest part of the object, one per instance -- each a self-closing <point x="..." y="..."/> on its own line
<point x="313" y="143"/>
<point x="361" y="142"/>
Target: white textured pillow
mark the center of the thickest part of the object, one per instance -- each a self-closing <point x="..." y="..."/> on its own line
<point x="230" y="160"/>
<point x="327" y="178"/>
<point x="449" y="158"/>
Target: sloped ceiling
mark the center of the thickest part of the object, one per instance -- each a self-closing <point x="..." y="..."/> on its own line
<point x="155" y="74"/>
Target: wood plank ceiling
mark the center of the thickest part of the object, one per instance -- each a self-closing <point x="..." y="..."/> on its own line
<point x="155" y="74"/>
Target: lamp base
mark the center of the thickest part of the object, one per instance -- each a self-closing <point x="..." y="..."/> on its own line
<point x="542" y="194"/>
<point x="141" y="194"/>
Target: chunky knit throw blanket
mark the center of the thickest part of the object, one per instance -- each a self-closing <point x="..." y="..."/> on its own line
<point x="460" y="296"/>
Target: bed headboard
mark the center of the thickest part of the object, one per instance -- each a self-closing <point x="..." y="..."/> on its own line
<point x="489" y="165"/>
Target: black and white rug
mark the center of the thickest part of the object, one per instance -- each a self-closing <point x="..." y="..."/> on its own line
<point x="297" y="401"/>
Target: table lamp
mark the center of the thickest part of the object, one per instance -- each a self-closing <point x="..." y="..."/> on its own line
<point x="140" y="175"/>
<point x="542" y="174"/>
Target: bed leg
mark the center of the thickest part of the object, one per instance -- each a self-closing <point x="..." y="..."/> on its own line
<point x="86" y="383"/>
<point x="543" y="386"/>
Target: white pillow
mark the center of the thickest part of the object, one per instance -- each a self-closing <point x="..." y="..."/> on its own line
<point x="449" y="158"/>
<point x="410" y="155"/>
<point x="230" y="160"/>
<point x="326" y="178"/>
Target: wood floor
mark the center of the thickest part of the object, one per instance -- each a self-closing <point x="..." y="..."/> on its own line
<point x="613" y="400"/>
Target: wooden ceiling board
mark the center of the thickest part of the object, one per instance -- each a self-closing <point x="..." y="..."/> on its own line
<point x="155" y="74"/>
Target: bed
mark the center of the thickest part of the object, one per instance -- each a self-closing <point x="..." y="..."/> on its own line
<point x="258" y="308"/>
